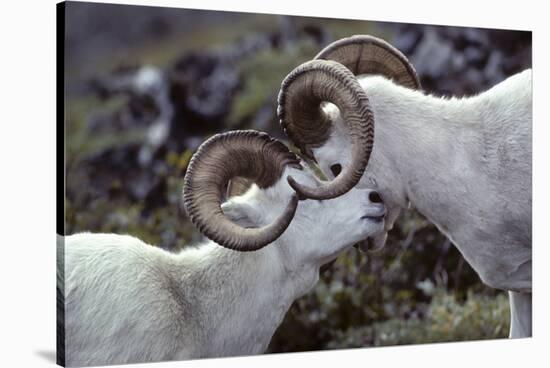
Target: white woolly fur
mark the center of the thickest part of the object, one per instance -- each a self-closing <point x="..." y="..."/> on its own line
<point x="127" y="301"/>
<point x="464" y="163"/>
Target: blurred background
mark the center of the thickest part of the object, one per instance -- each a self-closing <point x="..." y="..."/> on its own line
<point x="145" y="86"/>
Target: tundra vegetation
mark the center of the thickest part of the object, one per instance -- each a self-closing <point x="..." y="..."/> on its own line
<point x="129" y="144"/>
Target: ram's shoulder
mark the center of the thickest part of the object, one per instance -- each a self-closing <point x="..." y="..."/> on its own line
<point x="516" y="88"/>
<point x="524" y="77"/>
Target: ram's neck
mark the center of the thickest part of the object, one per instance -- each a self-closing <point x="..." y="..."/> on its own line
<point x="456" y="160"/>
<point x="427" y="151"/>
<point x="243" y="297"/>
<point x="466" y="165"/>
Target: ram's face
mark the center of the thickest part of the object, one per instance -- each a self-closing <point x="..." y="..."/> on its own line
<point x="329" y="226"/>
<point x="333" y="155"/>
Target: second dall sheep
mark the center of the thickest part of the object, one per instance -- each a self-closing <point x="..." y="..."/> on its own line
<point x="464" y="163"/>
<point x="126" y="301"/>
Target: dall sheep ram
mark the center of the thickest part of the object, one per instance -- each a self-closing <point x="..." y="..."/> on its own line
<point x="126" y="301"/>
<point x="464" y="163"/>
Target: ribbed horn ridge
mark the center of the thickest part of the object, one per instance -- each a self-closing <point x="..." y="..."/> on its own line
<point x="363" y="54"/>
<point x="247" y="154"/>
<point x="303" y="120"/>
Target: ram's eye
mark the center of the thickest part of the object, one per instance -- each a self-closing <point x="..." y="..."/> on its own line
<point x="336" y="169"/>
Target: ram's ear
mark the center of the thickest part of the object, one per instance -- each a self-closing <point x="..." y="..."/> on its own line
<point x="239" y="213"/>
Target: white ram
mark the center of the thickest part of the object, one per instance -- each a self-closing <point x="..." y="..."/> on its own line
<point x="464" y="163"/>
<point x="126" y="301"/>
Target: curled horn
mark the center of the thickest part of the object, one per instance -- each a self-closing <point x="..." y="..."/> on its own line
<point x="248" y="154"/>
<point x="325" y="79"/>
<point x="305" y="123"/>
<point x="363" y="54"/>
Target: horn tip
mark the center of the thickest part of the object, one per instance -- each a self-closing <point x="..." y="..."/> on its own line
<point x="298" y="195"/>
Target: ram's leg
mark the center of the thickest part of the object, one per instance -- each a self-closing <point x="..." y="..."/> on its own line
<point x="521" y="312"/>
